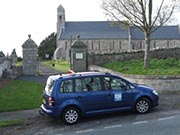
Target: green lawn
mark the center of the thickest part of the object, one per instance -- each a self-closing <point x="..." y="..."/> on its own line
<point x="20" y="95"/>
<point x="169" y="66"/>
<point x="62" y="66"/>
<point x="10" y="123"/>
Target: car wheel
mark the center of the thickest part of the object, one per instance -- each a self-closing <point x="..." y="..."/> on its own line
<point x="71" y="115"/>
<point x="143" y="105"/>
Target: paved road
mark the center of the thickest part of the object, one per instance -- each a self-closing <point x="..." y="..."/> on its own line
<point x="160" y="126"/>
<point x="156" y="122"/>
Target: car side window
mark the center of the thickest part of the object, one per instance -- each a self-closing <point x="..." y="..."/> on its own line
<point x="111" y="83"/>
<point x="79" y="87"/>
<point x="118" y="84"/>
<point x="66" y="86"/>
<point x="107" y="83"/>
<point x="87" y="84"/>
<point x="95" y="84"/>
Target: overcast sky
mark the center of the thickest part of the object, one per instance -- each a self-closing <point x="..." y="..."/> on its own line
<point x="18" y="18"/>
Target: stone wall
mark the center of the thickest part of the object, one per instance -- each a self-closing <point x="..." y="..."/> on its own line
<point x="8" y="68"/>
<point x="99" y="59"/>
<point x="160" y="83"/>
<point x="5" y="64"/>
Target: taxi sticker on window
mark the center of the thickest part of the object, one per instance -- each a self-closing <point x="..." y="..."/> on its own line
<point x="118" y="97"/>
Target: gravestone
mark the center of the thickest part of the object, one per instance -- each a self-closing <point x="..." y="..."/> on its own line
<point x="14" y="57"/>
<point x="30" y="57"/>
<point x="1" y="54"/>
<point x="78" y="56"/>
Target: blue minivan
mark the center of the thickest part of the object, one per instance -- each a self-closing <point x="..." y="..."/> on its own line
<point x="72" y="96"/>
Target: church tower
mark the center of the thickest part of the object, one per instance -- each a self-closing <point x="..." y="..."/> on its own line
<point x="60" y="20"/>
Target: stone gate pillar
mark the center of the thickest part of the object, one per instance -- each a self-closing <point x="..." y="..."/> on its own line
<point x="30" y="58"/>
<point x="78" y="56"/>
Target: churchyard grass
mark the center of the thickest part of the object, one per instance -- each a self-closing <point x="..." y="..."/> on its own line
<point x="62" y="66"/>
<point x="10" y="123"/>
<point x="20" y="95"/>
<point x="169" y="66"/>
<point x="19" y="63"/>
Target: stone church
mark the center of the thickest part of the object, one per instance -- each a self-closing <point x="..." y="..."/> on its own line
<point x="104" y="37"/>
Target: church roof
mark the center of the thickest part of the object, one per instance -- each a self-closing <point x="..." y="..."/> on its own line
<point x="106" y="30"/>
<point x="163" y="32"/>
<point x="94" y="30"/>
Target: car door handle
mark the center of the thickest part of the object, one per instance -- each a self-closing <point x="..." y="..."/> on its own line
<point x="109" y="95"/>
<point x="79" y="97"/>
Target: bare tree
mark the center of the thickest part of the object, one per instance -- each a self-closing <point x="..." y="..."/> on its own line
<point x="142" y="14"/>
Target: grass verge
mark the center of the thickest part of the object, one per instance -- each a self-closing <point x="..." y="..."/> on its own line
<point x="169" y="66"/>
<point x="10" y="123"/>
<point x="20" y="95"/>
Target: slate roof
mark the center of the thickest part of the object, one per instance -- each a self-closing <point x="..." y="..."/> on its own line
<point x="93" y="30"/>
<point x="164" y="32"/>
<point x="106" y="30"/>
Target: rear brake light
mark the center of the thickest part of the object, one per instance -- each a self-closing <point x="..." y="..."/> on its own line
<point x="51" y="101"/>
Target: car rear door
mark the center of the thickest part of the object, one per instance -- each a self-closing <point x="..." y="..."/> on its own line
<point x="89" y="94"/>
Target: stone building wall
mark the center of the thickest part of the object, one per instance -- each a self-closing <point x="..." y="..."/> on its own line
<point x="115" y="46"/>
<point x="155" y="44"/>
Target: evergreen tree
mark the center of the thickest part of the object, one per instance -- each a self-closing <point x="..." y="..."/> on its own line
<point x="47" y="47"/>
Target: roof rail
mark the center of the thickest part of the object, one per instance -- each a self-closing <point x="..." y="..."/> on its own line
<point x="94" y="71"/>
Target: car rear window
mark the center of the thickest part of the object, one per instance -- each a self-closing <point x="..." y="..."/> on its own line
<point x="50" y="83"/>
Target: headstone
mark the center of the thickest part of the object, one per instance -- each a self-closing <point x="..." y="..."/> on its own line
<point x="14" y="57"/>
<point x="30" y="57"/>
<point x="1" y="54"/>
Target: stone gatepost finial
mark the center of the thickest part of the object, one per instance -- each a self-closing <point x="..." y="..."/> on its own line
<point x="78" y="37"/>
<point x="29" y="36"/>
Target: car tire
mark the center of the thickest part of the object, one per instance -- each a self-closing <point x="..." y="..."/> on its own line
<point x="143" y="106"/>
<point x="71" y="115"/>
